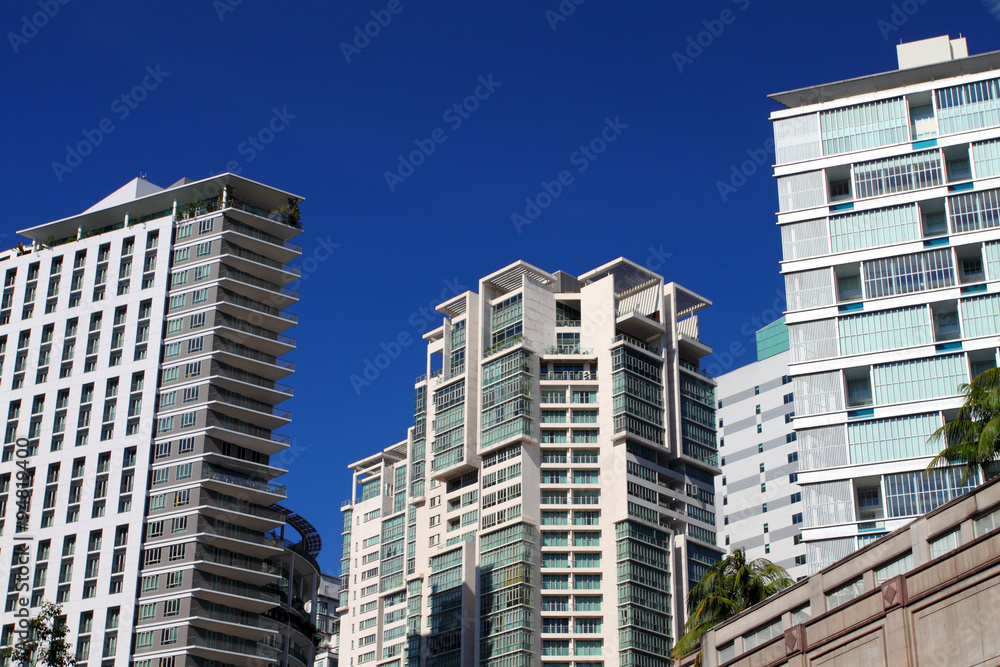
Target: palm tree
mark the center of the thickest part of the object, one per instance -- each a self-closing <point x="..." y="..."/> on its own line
<point x="972" y="440"/>
<point x="730" y="586"/>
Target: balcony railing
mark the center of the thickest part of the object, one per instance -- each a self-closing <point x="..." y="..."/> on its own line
<point x="248" y="279"/>
<point x="242" y="507"/>
<point x="569" y="349"/>
<point x="568" y="323"/>
<point x="250" y="378"/>
<point x="570" y="375"/>
<point x="223" y="585"/>
<point x="507" y="344"/>
<point x="233" y="559"/>
<point x="247" y="230"/>
<point x="250" y="404"/>
<point x="242" y="480"/>
<point x="694" y="369"/>
<point x="631" y="340"/>
<point x="252" y="304"/>
<point x="250" y="255"/>
<point x="224" y="345"/>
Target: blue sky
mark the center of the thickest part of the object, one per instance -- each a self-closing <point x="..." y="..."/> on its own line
<point x="205" y="85"/>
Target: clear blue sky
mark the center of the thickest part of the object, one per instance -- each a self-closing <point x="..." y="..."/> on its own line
<point x="223" y="69"/>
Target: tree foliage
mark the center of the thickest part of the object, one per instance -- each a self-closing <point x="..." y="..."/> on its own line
<point x="730" y="586"/>
<point x="972" y="440"/>
<point x="43" y="642"/>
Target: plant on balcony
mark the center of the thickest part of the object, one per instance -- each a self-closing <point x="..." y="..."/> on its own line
<point x="45" y="643"/>
<point x="972" y="440"/>
<point x="290" y="214"/>
<point x="730" y="586"/>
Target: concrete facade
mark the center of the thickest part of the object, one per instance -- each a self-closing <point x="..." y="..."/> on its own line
<point x="925" y="595"/>
<point x="554" y="499"/>
<point x="761" y="499"/>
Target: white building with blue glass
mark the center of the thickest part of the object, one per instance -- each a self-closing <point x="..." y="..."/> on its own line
<point x="889" y="209"/>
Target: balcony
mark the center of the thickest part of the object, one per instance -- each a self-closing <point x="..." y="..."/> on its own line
<point x="257" y="263"/>
<point x="252" y="411"/>
<point x="232" y="225"/>
<point x="570" y="376"/>
<point x="230" y="621"/>
<point x="226" y="296"/>
<point x="252" y="360"/>
<point x="635" y="342"/>
<point x="569" y="350"/>
<point x="255" y="287"/>
<point x="251" y="384"/>
<point x="230" y="592"/>
<point x="506" y="345"/>
<point x="222" y="562"/>
<point x="701" y="372"/>
<point x="215" y="474"/>
<point x="231" y="650"/>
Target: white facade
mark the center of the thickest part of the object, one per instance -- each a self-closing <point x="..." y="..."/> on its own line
<point x="889" y="202"/>
<point x="555" y="498"/>
<point x="139" y="344"/>
<point x="761" y="500"/>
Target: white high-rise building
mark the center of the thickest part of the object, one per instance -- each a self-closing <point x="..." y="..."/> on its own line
<point x="889" y="208"/>
<point x="554" y="499"/>
<point x="140" y="368"/>
<point x="761" y="499"/>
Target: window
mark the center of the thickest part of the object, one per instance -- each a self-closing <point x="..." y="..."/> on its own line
<point x="760" y="447"/>
<point x="844" y="594"/>
<point x="945" y="544"/>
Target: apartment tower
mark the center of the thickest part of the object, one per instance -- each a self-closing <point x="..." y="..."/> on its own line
<point x="141" y="346"/>
<point x="554" y="499"/>
<point x="889" y="209"/>
<point x="761" y="499"/>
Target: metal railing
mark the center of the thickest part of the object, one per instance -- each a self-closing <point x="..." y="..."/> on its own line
<point x="569" y="349"/>
<point x="569" y="375"/>
<point x="244" y="481"/>
<point x="631" y="340"/>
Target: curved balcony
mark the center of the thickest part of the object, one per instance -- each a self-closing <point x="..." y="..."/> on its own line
<point x="232" y="593"/>
<point x="260" y="242"/>
<point x="246" y="358"/>
<point x="234" y="565"/>
<point x="257" y="288"/>
<point x="239" y="511"/>
<point x="247" y="260"/>
<point x="230" y="621"/>
<point x="252" y="226"/>
<point x="247" y="409"/>
<point x="230" y="650"/>
<point x="234" y="538"/>
<point x="248" y="384"/>
<point x="257" y="491"/>
<point x="273" y="318"/>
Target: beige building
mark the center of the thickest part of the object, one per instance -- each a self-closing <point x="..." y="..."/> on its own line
<point x="927" y="594"/>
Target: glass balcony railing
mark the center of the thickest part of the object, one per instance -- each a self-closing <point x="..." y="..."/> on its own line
<point x="243" y="480"/>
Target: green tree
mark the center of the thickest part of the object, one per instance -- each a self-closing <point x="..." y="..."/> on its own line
<point x="972" y="440"/>
<point x="730" y="586"/>
<point x="45" y="642"/>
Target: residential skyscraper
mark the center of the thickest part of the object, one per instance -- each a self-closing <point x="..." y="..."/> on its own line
<point x="889" y="209"/>
<point x="141" y="346"/>
<point x="761" y="499"/>
<point x="554" y="499"/>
